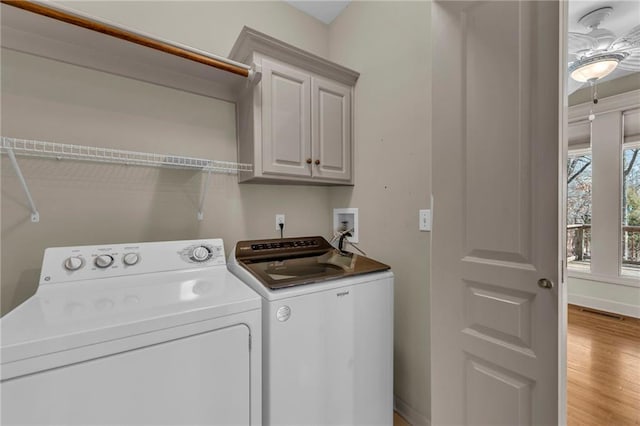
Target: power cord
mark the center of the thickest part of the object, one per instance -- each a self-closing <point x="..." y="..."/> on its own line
<point x="341" y="235"/>
<point x="281" y="225"/>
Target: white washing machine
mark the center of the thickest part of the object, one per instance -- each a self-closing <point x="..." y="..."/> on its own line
<point x="327" y="332"/>
<point x="148" y="333"/>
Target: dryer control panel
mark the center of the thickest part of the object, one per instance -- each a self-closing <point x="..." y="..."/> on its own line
<point x="65" y="264"/>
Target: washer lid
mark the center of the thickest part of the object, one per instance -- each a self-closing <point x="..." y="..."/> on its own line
<point x="70" y="315"/>
<point x="288" y="262"/>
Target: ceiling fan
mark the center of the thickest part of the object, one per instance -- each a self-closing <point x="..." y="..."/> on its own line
<point x="595" y="54"/>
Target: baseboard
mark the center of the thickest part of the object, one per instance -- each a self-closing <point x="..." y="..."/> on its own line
<point x="409" y="414"/>
<point x="605" y="305"/>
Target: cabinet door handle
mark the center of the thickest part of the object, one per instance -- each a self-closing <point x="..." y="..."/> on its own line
<point x="317" y="162"/>
<point x="308" y="160"/>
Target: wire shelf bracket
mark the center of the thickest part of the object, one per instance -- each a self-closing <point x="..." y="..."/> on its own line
<point x="35" y="216"/>
<point x="13" y="146"/>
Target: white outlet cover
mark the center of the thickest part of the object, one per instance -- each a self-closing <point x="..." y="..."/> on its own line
<point x="350" y="215"/>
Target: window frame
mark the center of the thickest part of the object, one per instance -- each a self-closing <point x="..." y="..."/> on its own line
<point x="632" y="144"/>
<point x="611" y="106"/>
<point x="578" y="151"/>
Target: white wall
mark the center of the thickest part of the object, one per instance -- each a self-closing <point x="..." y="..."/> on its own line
<point x="212" y="25"/>
<point x="86" y="203"/>
<point x="389" y="44"/>
<point x="602" y="294"/>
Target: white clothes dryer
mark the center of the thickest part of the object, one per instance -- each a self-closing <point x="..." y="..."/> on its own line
<point x="146" y="333"/>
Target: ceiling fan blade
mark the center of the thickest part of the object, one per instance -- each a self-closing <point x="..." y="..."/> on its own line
<point x="578" y="42"/>
<point x="631" y="62"/>
<point x="628" y="41"/>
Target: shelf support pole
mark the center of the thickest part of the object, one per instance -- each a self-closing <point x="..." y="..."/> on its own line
<point x="35" y="216"/>
<point x="203" y="195"/>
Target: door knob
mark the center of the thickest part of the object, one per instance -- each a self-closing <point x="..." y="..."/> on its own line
<point x="545" y="283"/>
<point x="317" y="162"/>
<point x="308" y="160"/>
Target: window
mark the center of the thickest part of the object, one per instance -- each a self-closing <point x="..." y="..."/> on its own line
<point x="579" y="203"/>
<point x="579" y="200"/>
<point x="603" y="193"/>
<point x="630" y="235"/>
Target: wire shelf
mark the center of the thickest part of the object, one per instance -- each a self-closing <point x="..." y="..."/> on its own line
<point x="106" y="155"/>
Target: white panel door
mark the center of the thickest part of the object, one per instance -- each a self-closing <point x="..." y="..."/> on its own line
<point x="331" y="129"/>
<point x="286" y="127"/>
<point x="494" y="328"/>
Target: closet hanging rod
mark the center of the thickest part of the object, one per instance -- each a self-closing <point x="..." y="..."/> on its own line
<point x="81" y="20"/>
<point x="106" y="155"/>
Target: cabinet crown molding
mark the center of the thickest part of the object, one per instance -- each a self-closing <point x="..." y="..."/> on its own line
<point x="252" y="41"/>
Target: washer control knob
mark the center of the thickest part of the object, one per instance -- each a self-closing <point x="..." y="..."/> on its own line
<point x="130" y="259"/>
<point x="104" y="261"/>
<point x="200" y="254"/>
<point x="73" y="263"/>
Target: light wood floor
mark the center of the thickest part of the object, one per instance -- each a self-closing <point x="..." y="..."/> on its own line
<point x="398" y="420"/>
<point x="603" y="374"/>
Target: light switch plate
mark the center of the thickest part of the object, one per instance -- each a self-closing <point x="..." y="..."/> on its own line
<point x="425" y="220"/>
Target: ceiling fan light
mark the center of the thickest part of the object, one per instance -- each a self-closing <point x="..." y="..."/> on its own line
<point x="595" y="67"/>
<point x="594" y="71"/>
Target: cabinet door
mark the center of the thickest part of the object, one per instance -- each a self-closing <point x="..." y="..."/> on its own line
<point x="286" y="131"/>
<point x="331" y="129"/>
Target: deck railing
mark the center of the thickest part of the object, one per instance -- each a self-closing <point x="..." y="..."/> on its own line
<point x="631" y="245"/>
<point x="579" y="244"/>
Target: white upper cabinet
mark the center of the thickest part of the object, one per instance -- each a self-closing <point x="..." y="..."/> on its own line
<point x="286" y="128"/>
<point x="331" y="129"/>
<point x="296" y="124"/>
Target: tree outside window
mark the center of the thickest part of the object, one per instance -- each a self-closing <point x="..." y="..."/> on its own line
<point x="579" y="210"/>
<point x="631" y="211"/>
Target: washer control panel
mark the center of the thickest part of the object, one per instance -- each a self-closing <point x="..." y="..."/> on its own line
<point x="281" y="247"/>
<point x="64" y="264"/>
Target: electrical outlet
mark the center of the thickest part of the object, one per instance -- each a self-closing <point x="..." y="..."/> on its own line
<point x="279" y="220"/>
